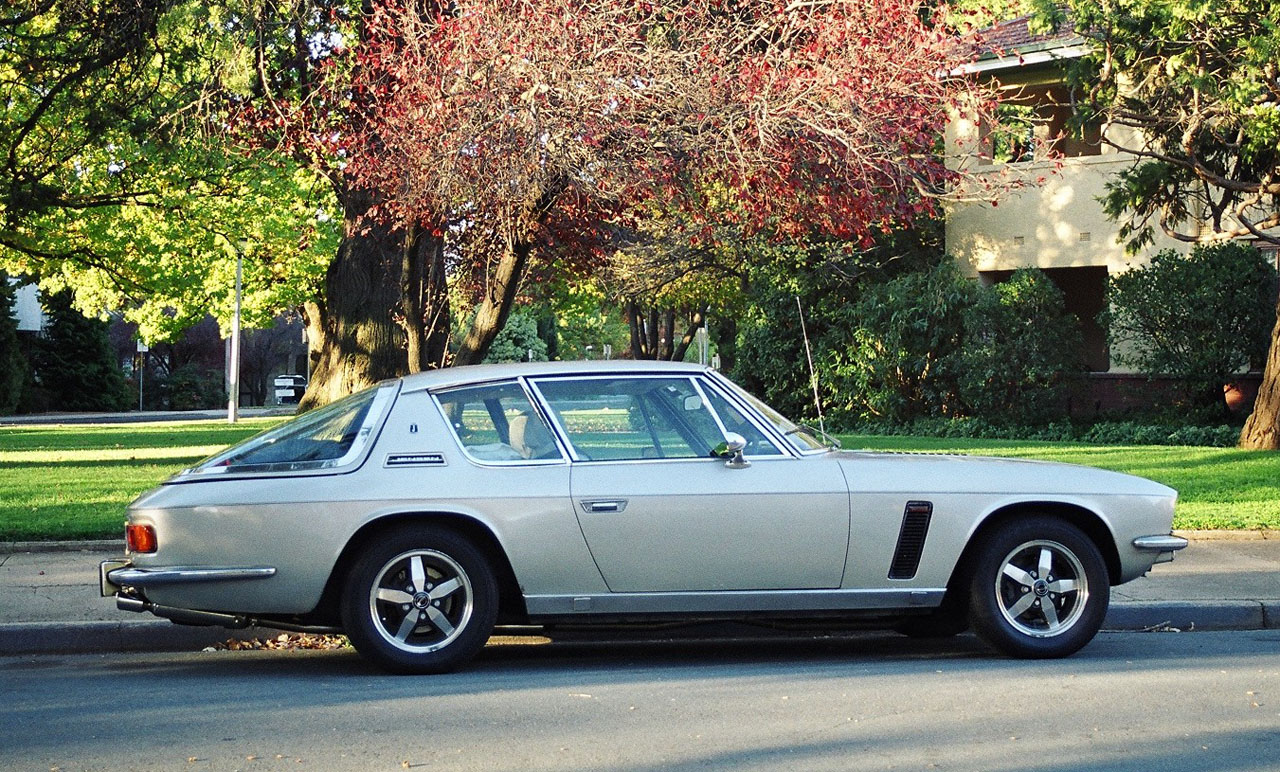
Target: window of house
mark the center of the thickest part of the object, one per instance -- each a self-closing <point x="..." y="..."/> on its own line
<point x="1037" y="121"/>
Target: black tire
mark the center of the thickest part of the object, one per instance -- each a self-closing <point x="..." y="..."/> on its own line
<point x="419" y="600"/>
<point x="1024" y="611"/>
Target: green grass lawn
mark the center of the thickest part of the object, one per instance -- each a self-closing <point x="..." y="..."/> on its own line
<point x="73" y="482"/>
<point x="1217" y="488"/>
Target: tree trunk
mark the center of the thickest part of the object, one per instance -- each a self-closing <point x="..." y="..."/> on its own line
<point x="697" y="319"/>
<point x="635" y="322"/>
<point x="1262" y="430"/>
<point x="377" y="294"/>
<point x="495" y="307"/>
<point x="518" y="239"/>
<point x="668" y="341"/>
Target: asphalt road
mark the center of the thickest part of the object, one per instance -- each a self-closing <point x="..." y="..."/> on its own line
<point x="1140" y="701"/>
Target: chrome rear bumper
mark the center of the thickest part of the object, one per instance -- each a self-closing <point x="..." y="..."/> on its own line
<point x="114" y="575"/>
<point x="1164" y="544"/>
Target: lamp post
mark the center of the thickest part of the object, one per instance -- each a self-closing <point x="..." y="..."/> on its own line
<point x="142" y="367"/>
<point x="233" y="360"/>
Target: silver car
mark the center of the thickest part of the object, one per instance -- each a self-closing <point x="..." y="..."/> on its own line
<point x="419" y="514"/>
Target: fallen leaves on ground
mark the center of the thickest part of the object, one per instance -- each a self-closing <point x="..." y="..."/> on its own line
<point x="284" y="641"/>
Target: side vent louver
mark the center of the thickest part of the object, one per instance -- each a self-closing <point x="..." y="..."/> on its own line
<point x="915" y="527"/>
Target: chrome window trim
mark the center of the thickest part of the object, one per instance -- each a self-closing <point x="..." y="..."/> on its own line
<point x="702" y="395"/>
<point x="492" y="463"/>
<point x="557" y="428"/>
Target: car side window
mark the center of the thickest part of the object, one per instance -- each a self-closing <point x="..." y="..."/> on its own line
<point x="734" y="421"/>
<point x="632" y="419"/>
<point x="497" y="423"/>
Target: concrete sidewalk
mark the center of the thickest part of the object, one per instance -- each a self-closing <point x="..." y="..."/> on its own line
<point x="49" y="601"/>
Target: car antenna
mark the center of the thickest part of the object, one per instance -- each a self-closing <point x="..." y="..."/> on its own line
<point x="813" y="374"/>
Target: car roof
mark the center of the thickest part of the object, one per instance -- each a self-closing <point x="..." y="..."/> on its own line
<point x="468" y="374"/>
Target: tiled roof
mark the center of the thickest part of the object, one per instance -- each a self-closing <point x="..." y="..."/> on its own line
<point x="1013" y="37"/>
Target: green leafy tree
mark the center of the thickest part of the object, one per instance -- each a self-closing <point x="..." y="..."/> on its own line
<point x="1191" y="89"/>
<point x="13" y="364"/>
<point x="1201" y="318"/>
<point x="826" y="278"/>
<point x="114" y="184"/>
<point x="75" y="364"/>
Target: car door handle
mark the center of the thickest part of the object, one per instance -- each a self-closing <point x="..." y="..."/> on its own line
<point x="604" y="505"/>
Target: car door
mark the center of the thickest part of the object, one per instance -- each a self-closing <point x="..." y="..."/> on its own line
<point x="661" y="513"/>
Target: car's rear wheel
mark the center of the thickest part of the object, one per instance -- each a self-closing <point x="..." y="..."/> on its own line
<point x="420" y="600"/>
<point x="1039" y="589"/>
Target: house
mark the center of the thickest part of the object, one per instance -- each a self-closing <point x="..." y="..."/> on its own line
<point x="26" y="307"/>
<point x="1055" y="221"/>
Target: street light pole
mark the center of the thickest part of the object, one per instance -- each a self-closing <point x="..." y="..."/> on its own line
<point x="233" y="366"/>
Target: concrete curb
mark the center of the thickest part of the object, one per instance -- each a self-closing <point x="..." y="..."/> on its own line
<point x="1187" y="616"/>
<point x="95" y="545"/>
<point x="162" y="636"/>
<point x="114" y="637"/>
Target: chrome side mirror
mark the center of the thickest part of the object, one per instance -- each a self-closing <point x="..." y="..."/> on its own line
<point x="731" y="450"/>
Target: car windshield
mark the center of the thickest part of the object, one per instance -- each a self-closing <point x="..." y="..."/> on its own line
<point x="329" y="437"/>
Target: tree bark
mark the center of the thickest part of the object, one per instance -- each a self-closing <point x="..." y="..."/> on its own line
<point x="494" y="309"/>
<point x="1262" y="430"/>
<point x="668" y="343"/>
<point x="697" y="319"/>
<point x="518" y="242"/>
<point x="377" y="295"/>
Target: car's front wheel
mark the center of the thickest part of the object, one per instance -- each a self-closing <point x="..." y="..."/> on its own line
<point x="1039" y="589"/>
<point x="420" y="600"/>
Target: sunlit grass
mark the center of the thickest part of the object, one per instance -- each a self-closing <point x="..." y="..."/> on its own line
<point x="1217" y="487"/>
<point x="74" y="482"/>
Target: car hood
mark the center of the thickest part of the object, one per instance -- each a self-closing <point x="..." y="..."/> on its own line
<point x="929" y="472"/>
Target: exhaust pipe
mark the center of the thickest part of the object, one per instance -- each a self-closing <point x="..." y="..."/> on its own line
<point x="183" y="616"/>
<point x="186" y="616"/>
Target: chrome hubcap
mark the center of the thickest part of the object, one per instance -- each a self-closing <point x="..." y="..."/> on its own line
<point x="421" y="601"/>
<point x="1042" y="588"/>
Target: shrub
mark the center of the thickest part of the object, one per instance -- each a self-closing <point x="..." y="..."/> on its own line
<point x="1200" y="318"/>
<point x="1097" y="433"/>
<point x="1020" y="351"/>
<point x="934" y="343"/>
<point x="516" y="339"/>
<point x="902" y="359"/>
<point x="192" y="387"/>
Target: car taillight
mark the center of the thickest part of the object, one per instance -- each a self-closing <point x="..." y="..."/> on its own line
<point x="140" y="538"/>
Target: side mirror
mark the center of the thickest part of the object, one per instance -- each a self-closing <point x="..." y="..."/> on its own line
<point x="692" y="402"/>
<point x="731" y="450"/>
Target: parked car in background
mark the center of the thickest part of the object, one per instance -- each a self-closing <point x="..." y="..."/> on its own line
<point x="418" y="514"/>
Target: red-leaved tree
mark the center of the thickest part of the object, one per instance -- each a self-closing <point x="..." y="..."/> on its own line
<point x="478" y="136"/>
